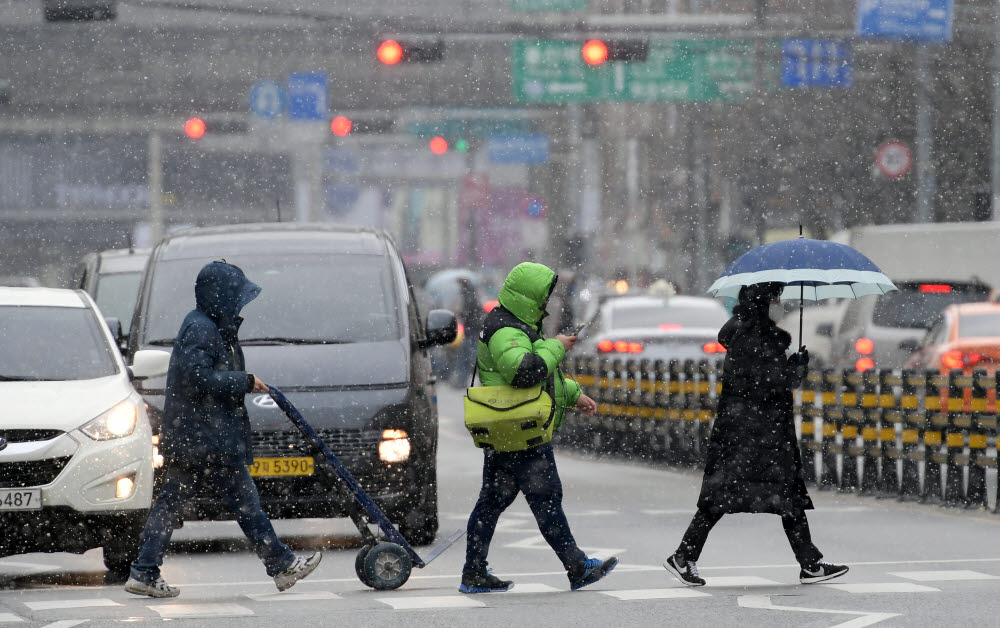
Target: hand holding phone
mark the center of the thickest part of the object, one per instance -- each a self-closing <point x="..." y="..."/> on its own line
<point x="576" y="331"/>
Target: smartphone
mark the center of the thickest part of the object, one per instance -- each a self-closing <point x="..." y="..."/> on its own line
<point x="579" y="328"/>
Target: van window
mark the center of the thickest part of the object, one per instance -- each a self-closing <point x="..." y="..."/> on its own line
<point x="912" y="307"/>
<point x="52" y="344"/>
<point x="116" y="296"/>
<point x="309" y="298"/>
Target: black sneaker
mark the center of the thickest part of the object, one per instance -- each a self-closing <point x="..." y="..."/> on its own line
<point x="483" y="583"/>
<point x="592" y="570"/>
<point x="684" y="570"/>
<point x="821" y="571"/>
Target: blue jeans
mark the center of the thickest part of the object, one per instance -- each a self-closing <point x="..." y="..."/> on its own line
<point x="236" y="488"/>
<point x="505" y="474"/>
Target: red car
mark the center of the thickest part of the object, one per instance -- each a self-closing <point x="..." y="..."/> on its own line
<point x="965" y="336"/>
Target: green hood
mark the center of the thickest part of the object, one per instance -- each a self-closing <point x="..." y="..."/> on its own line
<point x="526" y="288"/>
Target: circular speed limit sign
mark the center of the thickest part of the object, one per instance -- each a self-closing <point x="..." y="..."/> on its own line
<point x="893" y="159"/>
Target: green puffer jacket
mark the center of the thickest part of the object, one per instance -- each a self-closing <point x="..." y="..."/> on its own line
<point x="512" y="351"/>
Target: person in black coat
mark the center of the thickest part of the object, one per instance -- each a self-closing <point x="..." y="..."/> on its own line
<point x="205" y="434"/>
<point x="753" y="463"/>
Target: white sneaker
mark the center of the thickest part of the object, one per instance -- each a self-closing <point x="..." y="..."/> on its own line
<point x="301" y="567"/>
<point x="157" y="588"/>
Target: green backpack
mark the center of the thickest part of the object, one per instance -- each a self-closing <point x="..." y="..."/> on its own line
<point x="505" y="418"/>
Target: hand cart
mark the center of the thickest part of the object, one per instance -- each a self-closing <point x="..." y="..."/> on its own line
<point x="380" y="564"/>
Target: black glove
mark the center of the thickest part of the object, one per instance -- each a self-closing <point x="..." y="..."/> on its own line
<point x="801" y="358"/>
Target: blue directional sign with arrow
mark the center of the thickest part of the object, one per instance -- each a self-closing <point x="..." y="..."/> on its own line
<point x="926" y="20"/>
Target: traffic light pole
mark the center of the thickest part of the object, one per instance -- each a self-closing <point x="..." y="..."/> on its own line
<point x="154" y="176"/>
<point x="925" y="138"/>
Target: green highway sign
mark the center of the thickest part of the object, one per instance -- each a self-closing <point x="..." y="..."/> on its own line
<point x="553" y="71"/>
<point x="537" y="6"/>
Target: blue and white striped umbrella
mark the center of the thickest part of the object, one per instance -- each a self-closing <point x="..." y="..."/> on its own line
<point x="810" y="269"/>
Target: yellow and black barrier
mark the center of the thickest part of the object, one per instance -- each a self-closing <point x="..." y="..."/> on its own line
<point x="908" y="435"/>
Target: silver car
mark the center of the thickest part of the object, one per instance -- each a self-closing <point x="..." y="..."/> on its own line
<point x="655" y="328"/>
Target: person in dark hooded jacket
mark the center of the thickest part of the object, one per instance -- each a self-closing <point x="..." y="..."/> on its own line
<point x="205" y="434"/>
<point x="753" y="463"/>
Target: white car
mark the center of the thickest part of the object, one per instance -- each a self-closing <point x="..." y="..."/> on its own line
<point x="76" y="451"/>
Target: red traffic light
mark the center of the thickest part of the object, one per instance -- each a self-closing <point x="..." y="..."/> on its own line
<point x="194" y="128"/>
<point x="390" y="52"/>
<point x="439" y="145"/>
<point x="595" y="52"/>
<point x="340" y="126"/>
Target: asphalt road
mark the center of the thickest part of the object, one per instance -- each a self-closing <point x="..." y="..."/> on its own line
<point x="911" y="565"/>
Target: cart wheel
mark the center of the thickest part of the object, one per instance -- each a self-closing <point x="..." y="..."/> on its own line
<point x="359" y="565"/>
<point x="387" y="566"/>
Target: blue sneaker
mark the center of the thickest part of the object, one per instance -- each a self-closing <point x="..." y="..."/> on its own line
<point x="592" y="570"/>
<point x="483" y="583"/>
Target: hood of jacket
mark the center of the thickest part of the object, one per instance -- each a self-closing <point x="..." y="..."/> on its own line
<point x="222" y="291"/>
<point x="526" y="290"/>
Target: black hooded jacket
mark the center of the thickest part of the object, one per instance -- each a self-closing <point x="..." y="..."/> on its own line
<point x="204" y="412"/>
<point x="753" y="462"/>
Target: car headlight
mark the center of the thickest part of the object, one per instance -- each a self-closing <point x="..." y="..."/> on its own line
<point x="395" y="446"/>
<point x="118" y="422"/>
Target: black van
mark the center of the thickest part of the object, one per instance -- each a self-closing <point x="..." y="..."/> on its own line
<point x="337" y="328"/>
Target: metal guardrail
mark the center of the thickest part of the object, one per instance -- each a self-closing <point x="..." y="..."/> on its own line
<point x="907" y="434"/>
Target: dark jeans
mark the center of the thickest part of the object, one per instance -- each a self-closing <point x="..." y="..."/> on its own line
<point x="796" y="529"/>
<point x="237" y="490"/>
<point x="532" y="472"/>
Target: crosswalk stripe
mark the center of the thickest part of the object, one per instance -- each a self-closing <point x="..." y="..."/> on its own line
<point x="9" y="618"/>
<point x="941" y="576"/>
<point x="739" y="581"/>
<point x="54" y="604"/>
<point x="533" y="587"/>
<point x="201" y="610"/>
<point x="433" y="601"/>
<point x="655" y="594"/>
<point x="883" y="587"/>
<point x="66" y="623"/>
<point x="293" y="597"/>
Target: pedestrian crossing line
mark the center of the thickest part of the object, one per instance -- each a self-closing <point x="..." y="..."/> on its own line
<point x="533" y="587"/>
<point x="293" y="597"/>
<point x="173" y="611"/>
<point x="943" y="576"/>
<point x="79" y="603"/>
<point x="432" y="601"/>
<point x="739" y="581"/>
<point x="655" y="594"/>
<point x="9" y="618"/>
<point x="66" y="623"/>
<point x="883" y="587"/>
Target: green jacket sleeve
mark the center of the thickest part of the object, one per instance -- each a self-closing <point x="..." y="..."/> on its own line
<point x="573" y="392"/>
<point x="521" y="363"/>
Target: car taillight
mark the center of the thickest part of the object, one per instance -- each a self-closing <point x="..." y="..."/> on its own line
<point x="619" y="346"/>
<point x="489" y="305"/>
<point x="955" y="359"/>
<point x="937" y="288"/>
<point x="668" y="327"/>
<point x="864" y="346"/>
<point x="713" y="347"/>
<point x="864" y="364"/>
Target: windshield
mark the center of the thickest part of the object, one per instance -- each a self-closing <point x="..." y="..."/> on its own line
<point x="979" y="325"/>
<point x="52" y="344"/>
<point x="667" y="317"/>
<point x="116" y="296"/>
<point x="304" y="298"/>
<point x="912" y="307"/>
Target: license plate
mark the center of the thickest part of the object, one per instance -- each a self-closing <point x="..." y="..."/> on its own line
<point x="20" y="499"/>
<point x="276" y="467"/>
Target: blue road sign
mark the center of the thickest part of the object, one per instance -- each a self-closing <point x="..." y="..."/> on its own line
<point x="535" y="207"/>
<point x="267" y="99"/>
<point x="307" y="96"/>
<point x="923" y="20"/>
<point x="816" y="63"/>
<point x="518" y="149"/>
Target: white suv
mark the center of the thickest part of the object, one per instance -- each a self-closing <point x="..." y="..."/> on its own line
<point x="76" y="455"/>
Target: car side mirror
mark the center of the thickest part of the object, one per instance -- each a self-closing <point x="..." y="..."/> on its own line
<point x="826" y="329"/>
<point x="149" y="363"/>
<point x="910" y="345"/>
<point x="442" y="328"/>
